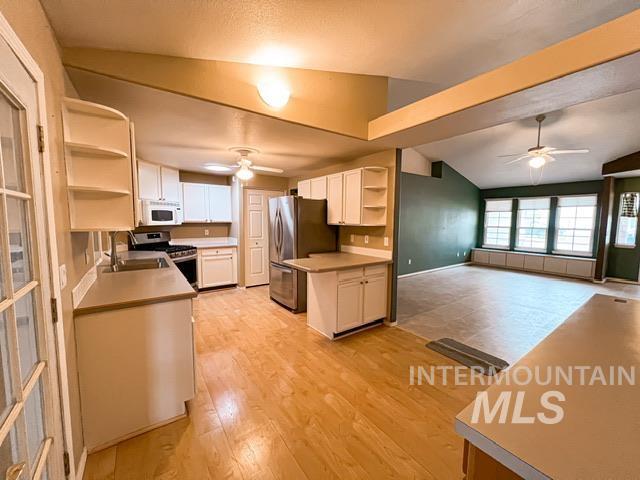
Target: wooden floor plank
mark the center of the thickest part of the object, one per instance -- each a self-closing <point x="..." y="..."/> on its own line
<point x="276" y="400"/>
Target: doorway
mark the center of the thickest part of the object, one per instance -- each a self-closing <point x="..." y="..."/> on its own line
<point x="256" y="235"/>
<point x="30" y="426"/>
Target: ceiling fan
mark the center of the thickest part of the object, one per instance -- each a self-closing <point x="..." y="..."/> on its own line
<point x="540" y="155"/>
<point x="245" y="166"/>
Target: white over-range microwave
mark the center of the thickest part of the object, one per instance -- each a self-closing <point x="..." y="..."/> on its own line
<point x="161" y="213"/>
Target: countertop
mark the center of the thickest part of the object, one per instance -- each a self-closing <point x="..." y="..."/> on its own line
<point x="117" y="290"/>
<point x="329" y="262"/>
<point x="206" y="242"/>
<point x="598" y="436"/>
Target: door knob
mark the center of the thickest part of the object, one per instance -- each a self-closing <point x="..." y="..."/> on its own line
<point x="14" y="471"/>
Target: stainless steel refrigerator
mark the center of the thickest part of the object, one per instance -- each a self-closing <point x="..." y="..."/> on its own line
<point x="297" y="227"/>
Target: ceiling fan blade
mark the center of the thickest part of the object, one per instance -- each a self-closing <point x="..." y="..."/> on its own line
<point x="510" y="155"/>
<point x="267" y="169"/>
<point x="577" y="150"/>
<point x="517" y="160"/>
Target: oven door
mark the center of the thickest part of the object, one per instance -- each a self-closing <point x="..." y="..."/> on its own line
<point x="189" y="268"/>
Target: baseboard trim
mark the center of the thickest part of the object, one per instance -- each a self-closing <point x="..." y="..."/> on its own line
<point x="446" y="267"/>
<point x="374" y="252"/>
<point x="620" y="280"/>
<point x="81" y="464"/>
<point x="83" y="286"/>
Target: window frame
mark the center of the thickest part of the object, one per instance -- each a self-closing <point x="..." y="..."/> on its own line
<point x="546" y="229"/>
<point x="484" y="226"/>
<point x="556" y="250"/>
<point x="635" y="239"/>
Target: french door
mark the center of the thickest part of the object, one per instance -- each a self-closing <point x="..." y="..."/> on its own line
<point x="30" y="428"/>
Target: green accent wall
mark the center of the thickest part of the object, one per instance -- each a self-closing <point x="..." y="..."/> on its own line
<point x="438" y="219"/>
<point x="623" y="262"/>
<point x="547" y="190"/>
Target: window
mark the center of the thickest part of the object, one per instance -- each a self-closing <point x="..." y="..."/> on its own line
<point x="533" y="223"/>
<point x="497" y="223"/>
<point x="627" y="220"/>
<point x="575" y="224"/>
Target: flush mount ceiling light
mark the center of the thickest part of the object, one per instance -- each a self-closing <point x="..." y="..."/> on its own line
<point x="217" y="168"/>
<point x="273" y="92"/>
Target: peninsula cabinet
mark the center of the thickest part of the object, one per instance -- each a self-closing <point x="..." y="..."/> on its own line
<point x="340" y="301"/>
<point x="203" y="203"/>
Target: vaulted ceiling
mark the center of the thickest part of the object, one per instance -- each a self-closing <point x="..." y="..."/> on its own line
<point x="438" y="42"/>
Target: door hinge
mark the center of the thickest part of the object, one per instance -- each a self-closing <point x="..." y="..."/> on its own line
<point x="40" y="138"/>
<point x="54" y="310"/>
<point x="67" y="465"/>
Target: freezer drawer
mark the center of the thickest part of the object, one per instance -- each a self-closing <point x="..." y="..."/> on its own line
<point x="282" y="285"/>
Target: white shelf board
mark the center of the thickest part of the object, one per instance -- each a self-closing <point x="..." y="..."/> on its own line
<point x="379" y="207"/>
<point x="373" y="187"/>
<point x="98" y="190"/>
<point x="90" y="108"/>
<point x="95" y="150"/>
<point x="376" y="169"/>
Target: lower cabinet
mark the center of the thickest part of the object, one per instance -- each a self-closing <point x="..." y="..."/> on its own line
<point x="344" y="300"/>
<point x="217" y="267"/>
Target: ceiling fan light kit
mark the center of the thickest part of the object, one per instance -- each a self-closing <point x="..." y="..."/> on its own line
<point x="539" y="156"/>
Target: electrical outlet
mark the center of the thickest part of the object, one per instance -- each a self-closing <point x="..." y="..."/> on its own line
<point x="457" y="254"/>
<point x="86" y="256"/>
<point x="62" y="271"/>
<point x="386" y="241"/>
<point x="366" y="239"/>
<point x="206" y="232"/>
<point x="409" y="261"/>
<point x="352" y="238"/>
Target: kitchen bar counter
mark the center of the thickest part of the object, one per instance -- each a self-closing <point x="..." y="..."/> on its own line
<point x="599" y="434"/>
<point x="331" y="262"/>
<point x="126" y="289"/>
<point x="206" y="242"/>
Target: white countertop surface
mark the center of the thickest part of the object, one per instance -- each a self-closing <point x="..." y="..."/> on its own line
<point x="599" y="435"/>
<point x="206" y="242"/>
<point x="328" y="262"/>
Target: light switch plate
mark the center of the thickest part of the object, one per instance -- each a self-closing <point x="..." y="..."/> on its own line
<point x="206" y="232"/>
<point x="366" y="239"/>
<point x="63" y="276"/>
<point x="409" y="261"/>
<point x="352" y="238"/>
<point x="386" y="241"/>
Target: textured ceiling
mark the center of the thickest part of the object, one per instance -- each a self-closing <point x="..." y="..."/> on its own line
<point x="440" y="42"/>
<point x="187" y="133"/>
<point x="609" y="127"/>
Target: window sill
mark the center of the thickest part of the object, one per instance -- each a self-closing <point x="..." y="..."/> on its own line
<point x="530" y="250"/>
<point x="628" y="247"/>
<point x="573" y="254"/>
<point x="496" y="247"/>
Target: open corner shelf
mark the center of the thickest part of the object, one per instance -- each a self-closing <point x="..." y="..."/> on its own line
<point x="99" y="190"/>
<point x="95" y="150"/>
<point x="374" y="187"/>
<point x="379" y="207"/>
<point x="376" y="169"/>
<point x="89" y="108"/>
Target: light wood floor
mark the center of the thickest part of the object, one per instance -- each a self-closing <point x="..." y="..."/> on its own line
<point x="277" y="400"/>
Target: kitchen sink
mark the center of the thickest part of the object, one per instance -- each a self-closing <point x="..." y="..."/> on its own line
<point x="137" y="264"/>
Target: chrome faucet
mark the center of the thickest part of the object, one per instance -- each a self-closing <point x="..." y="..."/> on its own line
<point x="114" y="251"/>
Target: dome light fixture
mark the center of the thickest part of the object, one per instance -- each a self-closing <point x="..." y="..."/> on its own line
<point x="273" y="92"/>
<point x="217" y="168"/>
<point x="537" y="161"/>
<point x="244" y="173"/>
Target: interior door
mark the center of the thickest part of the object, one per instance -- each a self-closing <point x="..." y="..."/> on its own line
<point x="30" y="428"/>
<point x="170" y="180"/>
<point x="256" y="236"/>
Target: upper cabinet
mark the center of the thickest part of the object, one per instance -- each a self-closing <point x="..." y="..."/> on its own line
<point x="357" y="197"/>
<point x="203" y="203"/>
<point x="98" y="143"/>
<point x="315" y="188"/>
<point x="304" y="189"/>
<point x="156" y="182"/>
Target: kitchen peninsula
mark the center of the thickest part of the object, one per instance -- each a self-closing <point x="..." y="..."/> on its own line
<point x="346" y="292"/>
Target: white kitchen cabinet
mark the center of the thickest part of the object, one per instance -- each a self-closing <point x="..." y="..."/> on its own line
<point x="170" y="183"/>
<point x="304" y="189"/>
<point x="195" y="207"/>
<point x="219" y="197"/>
<point x="156" y="182"/>
<point x="339" y="301"/>
<point x="352" y="197"/>
<point x="334" y="199"/>
<point x="319" y="188"/>
<point x="203" y="203"/>
<point x="350" y="305"/>
<point x="217" y="267"/>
